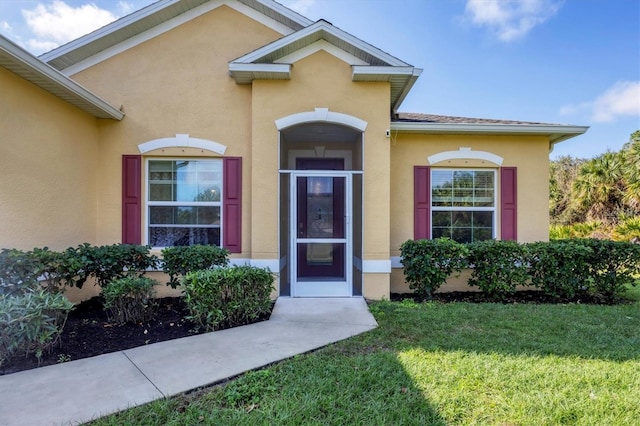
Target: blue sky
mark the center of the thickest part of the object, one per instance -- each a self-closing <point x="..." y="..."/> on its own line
<point x="556" y="61"/>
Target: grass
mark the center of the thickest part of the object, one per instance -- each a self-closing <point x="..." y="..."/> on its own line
<point x="440" y="364"/>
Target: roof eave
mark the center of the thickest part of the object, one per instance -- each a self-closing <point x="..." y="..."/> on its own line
<point x="153" y="16"/>
<point x="307" y="33"/>
<point x="556" y="133"/>
<point x="246" y="73"/>
<point x="401" y="78"/>
<point x="27" y="66"/>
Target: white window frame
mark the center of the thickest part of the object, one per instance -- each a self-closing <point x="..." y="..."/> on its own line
<point x="149" y="203"/>
<point x="493" y="209"/>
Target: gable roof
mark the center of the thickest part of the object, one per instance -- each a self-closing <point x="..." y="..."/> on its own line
<point x="372" y="64"/>
<point x="152" y="17"/>
<point x="407" y="122"/>
<point x="24" y="64"/>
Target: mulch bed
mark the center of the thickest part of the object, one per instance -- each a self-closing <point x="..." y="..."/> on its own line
<point x="88" y="333"/>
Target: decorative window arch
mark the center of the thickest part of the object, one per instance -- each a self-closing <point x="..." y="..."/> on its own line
<point x="321" y="115"/>
<point x="182" y="140"/>
<point x="465" y="154"/>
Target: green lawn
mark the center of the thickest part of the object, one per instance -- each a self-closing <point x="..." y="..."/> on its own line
<point x="441" y="364"/>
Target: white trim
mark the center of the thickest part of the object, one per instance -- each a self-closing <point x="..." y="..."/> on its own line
<point x="329" y="29"/>
<point x="465" y="153"/>
<point x="396" y="262"/>
<point x="335" y="288"/>
<point x="272" y="264"/>
<point x="148" y="203"/>
<point x="152" y="32"/>
<point x="182" y="140"/>
<point x="314" y="153"/>
<point x="321" y="115"/>
<point x="494" y="209"/>
<point x="556" y="132"/>
<point x="385" y="70"/>
<point x="260" y="68"/>
<point x="316" y="47"/>
<point x="376" y="266"/>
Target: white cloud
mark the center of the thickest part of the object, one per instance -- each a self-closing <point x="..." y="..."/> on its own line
<point x="7" y="30"/>
<point x="620" y="100"/>
<point x="58" y="23"/>
<point x="511" y="19"/>
<point x="300" y="6"/>
<point x="125" y="8"/>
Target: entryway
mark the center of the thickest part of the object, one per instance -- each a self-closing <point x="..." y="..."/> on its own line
<point x="321" y="229"/>
<point x="321" y="211"/>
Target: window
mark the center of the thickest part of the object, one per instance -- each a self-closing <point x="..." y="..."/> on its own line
<point x="184" y="202"/>
<point x="463" y="204"/>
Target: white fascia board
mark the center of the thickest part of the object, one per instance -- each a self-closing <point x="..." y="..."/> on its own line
<point x="407" y="88"/>
<point x="311" y="29"/>
<point x="365" y="70"/>
<point x="107" y="29"/>
<point x="246" y="73"/>
<point x="265" y="68"/>
<point x="56" y="78"/>
<point x="317" y="46"/>
<point x="560" y="132"/>
<point x="286" y="12"/>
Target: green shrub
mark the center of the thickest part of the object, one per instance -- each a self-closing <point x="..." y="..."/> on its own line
<point x="111" y="262"/>
<point x="21" y="270"/>
<point x="31" y="322"/>
<point x="498" y="267"/>
<point x="18" y="271"/>
<point x="613" y="265"/>
<point x="428" y="263"/>
<point x="226" y="297"/>
<point x="179" y="261"/>
<point x="130" y="299"/>
<point x="559" y="268"/>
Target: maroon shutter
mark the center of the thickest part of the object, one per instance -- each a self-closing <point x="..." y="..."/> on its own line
<point x="421" y="202"/>
<point x="508" y="204"/>
<point x="131" y="199"/>
<point x="232" y="204"/>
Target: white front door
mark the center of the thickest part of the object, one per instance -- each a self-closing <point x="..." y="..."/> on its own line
<point x="321" y="235"/>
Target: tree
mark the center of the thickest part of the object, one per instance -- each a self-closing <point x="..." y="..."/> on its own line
<point x="631" y="154"/>
<point x="563" y="173"/>
<point x="600" y="188"/>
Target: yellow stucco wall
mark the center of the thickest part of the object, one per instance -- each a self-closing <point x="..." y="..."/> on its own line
<point x="530" y="154"/>
<point x="177" y="82"/>
<point x="48" y="157"/>
<point x="321" y="81"/>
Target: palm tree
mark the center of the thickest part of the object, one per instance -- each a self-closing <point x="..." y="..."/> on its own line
<point x="631" y="153"/>
<point x="600" y="188"/>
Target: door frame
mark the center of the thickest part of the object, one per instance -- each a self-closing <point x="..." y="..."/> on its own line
<point x="319" y="287"/>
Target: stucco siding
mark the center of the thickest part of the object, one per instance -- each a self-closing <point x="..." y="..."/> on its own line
<point x="530" y="154"/>
<point x="48" y="151"/>
<point x="176" y="83"/>
<point x="321" y="81"/>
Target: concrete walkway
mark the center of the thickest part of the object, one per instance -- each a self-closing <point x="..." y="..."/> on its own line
<point x="82" y="390"/>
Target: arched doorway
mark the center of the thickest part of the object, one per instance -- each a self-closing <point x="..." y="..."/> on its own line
<point x="321" y="207"/>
